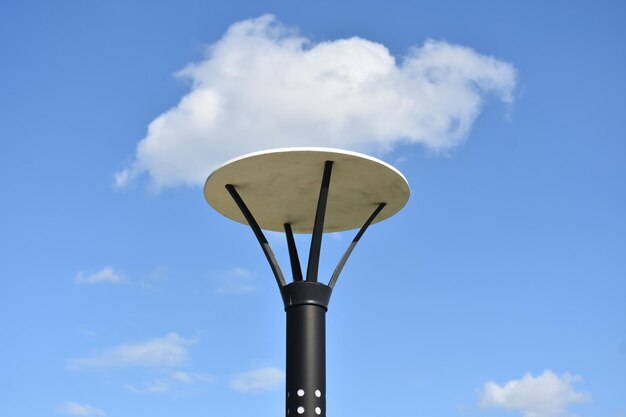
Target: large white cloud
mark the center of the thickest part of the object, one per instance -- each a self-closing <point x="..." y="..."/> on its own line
<point x="263" y="86"/>
<point x="545" y="395"/>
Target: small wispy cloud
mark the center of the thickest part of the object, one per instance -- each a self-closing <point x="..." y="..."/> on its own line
<point x="105" y="275"/>
<point x="236" y="280"/>
<point x="87" y="333"/>
<point x="84" y="410"/>
<point x="545" y="395"/>
<point x="174" y="381"/>
<point x="262" y="86"/>
<point x="192" y="377"/>
<point x="262" y="379"/>
<point x="155" y="279"/>
<point x="163" y="352"/>
<point x="157" y="386"/>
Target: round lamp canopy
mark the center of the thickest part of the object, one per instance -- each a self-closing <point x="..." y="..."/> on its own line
<point x="282" y="186"/>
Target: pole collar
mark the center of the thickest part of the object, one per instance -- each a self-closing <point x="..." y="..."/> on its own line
<point x="306" y="293"/>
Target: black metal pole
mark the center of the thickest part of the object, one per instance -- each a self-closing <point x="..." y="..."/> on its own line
<point x="306" y="304"/>
<point x="306" y="361"/>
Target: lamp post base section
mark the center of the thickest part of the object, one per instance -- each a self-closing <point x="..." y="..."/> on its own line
<point x="306" y="304"/>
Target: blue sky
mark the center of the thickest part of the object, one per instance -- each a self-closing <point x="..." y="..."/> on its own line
<point x="498" y="291"/>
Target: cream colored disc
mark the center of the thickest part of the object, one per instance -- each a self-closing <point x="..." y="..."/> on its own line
<point x="282" y="186"/>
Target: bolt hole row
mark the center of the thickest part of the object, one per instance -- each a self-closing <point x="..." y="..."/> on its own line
<point x="300" y="393"/>
<point x="318" y="410"/>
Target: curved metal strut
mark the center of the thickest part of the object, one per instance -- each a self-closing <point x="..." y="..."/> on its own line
<point x="265" y="246"/>
<point x="316" y="238"/>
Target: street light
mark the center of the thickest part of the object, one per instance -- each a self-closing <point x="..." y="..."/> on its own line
<point x="306" y="190"/>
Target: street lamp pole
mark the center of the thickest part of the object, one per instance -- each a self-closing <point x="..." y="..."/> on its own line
<point x="280" y="186"/>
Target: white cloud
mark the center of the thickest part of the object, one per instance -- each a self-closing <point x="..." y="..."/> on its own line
<point x="105" y="275"/>
<point x="157" y="386"/>
<point x="545" y="395"/>
<point x="236" y="281"/>
<point x="263" y="86"/>
<point x="262" y="379"/>
<point x="192" y="377"/>
<point x="76" y="409"/>
<point x="174" y="381"/>
<point x="163" y="352"/>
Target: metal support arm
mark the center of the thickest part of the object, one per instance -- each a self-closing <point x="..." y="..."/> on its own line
<point x="267" y="250"/>
<point x="318" y="226"/>
<point x="296" y="270"/>
<point x="344" y="258"/>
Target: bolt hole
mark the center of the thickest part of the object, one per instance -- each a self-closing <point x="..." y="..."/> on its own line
<point x="300" y="392"/>
<point x="318" y="411"/>
<point x="300" y="410"/>
<point x="318" y="393"/>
